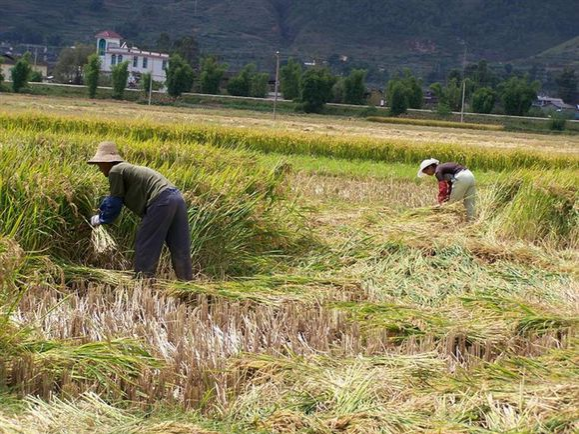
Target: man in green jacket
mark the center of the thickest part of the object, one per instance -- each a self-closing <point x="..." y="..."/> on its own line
<point x="159" y="203"/>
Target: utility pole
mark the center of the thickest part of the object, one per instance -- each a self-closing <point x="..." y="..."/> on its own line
<point x="151" y="81"/>
<point x="463" y="85"/>
<point x="276" y="85"/>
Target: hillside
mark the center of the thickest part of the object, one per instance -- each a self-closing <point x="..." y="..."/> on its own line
<point x="390" y="33"/>
<point x="565" y="54"/>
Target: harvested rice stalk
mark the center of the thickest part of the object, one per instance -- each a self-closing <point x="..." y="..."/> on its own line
<point x="102" y="242"/>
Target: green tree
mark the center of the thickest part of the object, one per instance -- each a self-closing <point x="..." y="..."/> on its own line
<point x="211" y="75"/>
<point x="69" y="68"/>
<point x="517" y="95"/>
<point x="290" y="77"/>
<point x="120" y="75"/>
<point x="316" y="89"/>
<point x="339" y="91"/>
<point x="398" y="98"/>
<point x="412" y="88"/>
<point x="188" y="48"/>
<point x="259" y="85"/>
<point x="453" y="95"/>
<point x="164" y="42"/>
<point x="449" y="96"/>
<point x="180" y="76"/>
<point x="355" y="87"/>
<point x="483" y="100"/>
<point x="240" y="85"/>
<point x="481" y="75"/>
<point x="146" y="82"/>
<point x="91" y="74"/>
<point x="567" y="85"/>
<point x="35" y="77"/>
<point x="20" y="73"/>
<point x="454" y="74"/>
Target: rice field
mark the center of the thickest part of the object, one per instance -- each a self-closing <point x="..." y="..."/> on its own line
<point x="330" y="295"/>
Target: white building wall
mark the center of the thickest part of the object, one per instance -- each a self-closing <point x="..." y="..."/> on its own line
<point x="155" y="63"/>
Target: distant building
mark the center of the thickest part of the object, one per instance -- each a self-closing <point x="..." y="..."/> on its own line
<point x="548" y="103"/>
<point x="375" y="97"/>
<point x="112" y="52"/>
<point x="430" y="98"/>
<point x="7" y="65"/>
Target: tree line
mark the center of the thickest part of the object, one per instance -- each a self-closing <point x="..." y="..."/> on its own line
<point x="484" y="91"/>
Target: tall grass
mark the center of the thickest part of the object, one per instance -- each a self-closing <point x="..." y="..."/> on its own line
<point x="239" y="213"/>
<point x="292" y="143"/>
<point x="542" y="208"/>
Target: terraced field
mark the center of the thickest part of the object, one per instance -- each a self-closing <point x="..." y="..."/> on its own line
<point x="330" y="295"/>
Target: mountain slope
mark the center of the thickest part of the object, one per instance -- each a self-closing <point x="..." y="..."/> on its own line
<point x="387" y="32"/>
<point x="565" y="54"/>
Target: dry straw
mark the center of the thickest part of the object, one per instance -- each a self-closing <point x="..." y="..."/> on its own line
<point x="103" y="243"/>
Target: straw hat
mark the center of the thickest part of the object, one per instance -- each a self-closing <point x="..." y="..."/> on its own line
<point x="425" y="164"/>
<point x="106" y="153"/>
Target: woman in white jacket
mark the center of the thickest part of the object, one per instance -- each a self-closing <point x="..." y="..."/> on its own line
<point x="455" y="183"/>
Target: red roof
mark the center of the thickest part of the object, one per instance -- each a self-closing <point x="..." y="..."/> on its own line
<point x="108" y="34"/>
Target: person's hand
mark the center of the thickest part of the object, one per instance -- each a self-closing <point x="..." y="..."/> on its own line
<point x="95" y="221"/>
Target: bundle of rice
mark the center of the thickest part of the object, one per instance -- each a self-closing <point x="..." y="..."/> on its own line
<point x="102" y="241"/>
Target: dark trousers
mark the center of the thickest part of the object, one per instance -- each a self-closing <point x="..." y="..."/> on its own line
<point x="165" y="220"/>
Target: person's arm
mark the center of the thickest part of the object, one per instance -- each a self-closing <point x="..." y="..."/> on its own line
<point x="111" y="206"/>
<point x="444" y="188"/>
<point x="110" y="209"/>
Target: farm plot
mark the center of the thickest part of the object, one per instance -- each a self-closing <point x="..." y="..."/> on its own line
<point x="330" y="297"/>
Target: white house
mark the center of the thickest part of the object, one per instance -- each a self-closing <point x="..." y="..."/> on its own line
<point x="112" y="52"/>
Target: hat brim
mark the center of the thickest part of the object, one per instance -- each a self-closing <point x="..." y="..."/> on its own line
<point x="106" y="159"/>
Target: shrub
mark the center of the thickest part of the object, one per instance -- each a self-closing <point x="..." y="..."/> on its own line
<point x="557" y="124"/>
<point x="355" y="87"/>
<point x="120" y="75"/>
<point x="240" y="85"/>
<point x="483" y="100"/>
<point x="180" y="76"/>
<point x="290" y="78"/>
<point x="35" y="77"/>
<point x="21" y="73"/>
<point x="316" y="89"/>
<point x="398" y="99"/>
<point x="211" y="75"/>
<point x="91" y="74"/>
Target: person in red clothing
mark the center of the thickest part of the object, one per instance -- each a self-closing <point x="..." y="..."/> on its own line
<point x="455" y="182"/>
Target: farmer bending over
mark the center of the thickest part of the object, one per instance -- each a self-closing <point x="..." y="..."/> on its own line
<point x="455" y="182"/>
<point x="151" y="196"/>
